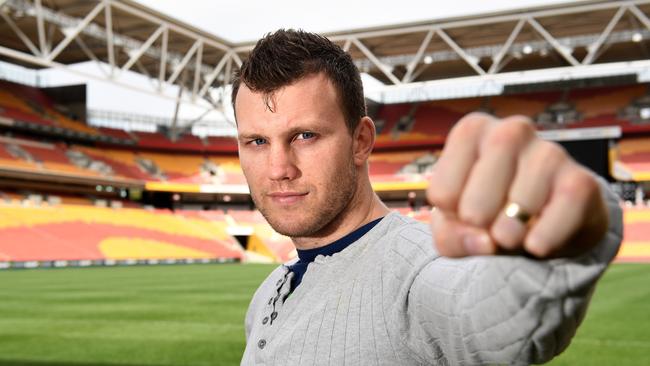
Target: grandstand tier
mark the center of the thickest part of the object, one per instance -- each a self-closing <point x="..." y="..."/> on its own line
<point x="74" y="232"/>
<point x="430" y="122"/>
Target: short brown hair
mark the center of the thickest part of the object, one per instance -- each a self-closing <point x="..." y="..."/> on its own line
<point x="286" y="56"/>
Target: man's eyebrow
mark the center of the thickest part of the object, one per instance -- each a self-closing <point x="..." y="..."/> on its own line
<point x="249" y="136"/>
<point x="299" y="129"/>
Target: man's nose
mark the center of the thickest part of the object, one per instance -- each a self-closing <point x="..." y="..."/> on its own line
<point x="282" y="164"/>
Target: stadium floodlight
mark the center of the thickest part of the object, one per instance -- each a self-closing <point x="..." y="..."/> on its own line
<point x="428" y="59"/>
<point x="67" y="30"/>
<point x="132" y="52"/>
<point x="527" y="49"/>
<point x="644" y="113"/>
<point x="637" y="37"/>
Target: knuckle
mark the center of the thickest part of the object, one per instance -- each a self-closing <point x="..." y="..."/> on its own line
<point x="439" y="193"/>
<point x="440" y="197"/>
<point x="469" y="125"/>
<point x="442" y="237"/>
<point x="545" y="152"/>
<point x="578" y="183"/>
<point x="473" y="216"/>
<point x="510" y="131"/>
<point x="476" y="116"/>
<point x="505" y="241"/>
<point x="551" y="150"/>
<point x="506" y="236"/>
<point x="519" y="118"/>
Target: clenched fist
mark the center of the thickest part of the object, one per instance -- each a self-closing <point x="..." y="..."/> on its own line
<point x="499" y="189"/>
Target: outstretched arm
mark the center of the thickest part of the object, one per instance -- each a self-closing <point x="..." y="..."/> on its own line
<point x="506" y="309"/>
<point x="498" y="189"/>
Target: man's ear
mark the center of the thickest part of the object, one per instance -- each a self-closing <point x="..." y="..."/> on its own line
<point x="364" y="140"/>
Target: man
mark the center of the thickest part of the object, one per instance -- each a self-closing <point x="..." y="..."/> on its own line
<point x="373" y="287"/>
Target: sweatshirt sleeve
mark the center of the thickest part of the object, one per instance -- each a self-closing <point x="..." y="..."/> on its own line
<point x="505" y="309"/>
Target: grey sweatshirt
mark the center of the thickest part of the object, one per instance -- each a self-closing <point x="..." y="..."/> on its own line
<point x="390" y="299"/>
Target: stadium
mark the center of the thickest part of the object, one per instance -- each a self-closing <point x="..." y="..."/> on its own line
<point x="132" y="239"/>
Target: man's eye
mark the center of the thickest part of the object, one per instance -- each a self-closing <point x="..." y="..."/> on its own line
<point x="258" y="141"/>
<point x="305" y="136"/>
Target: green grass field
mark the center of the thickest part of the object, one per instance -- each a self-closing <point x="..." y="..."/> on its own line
<point x="193" y="315"/>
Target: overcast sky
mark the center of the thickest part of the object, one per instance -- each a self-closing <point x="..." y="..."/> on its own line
<point x="247" y="20"/>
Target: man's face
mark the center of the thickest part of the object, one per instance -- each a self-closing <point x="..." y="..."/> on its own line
<point x="298" y="159"/>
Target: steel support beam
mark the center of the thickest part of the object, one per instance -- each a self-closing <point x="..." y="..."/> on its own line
<point x="639" y="15"/>
<point x="89" y="53"/>
<point x="44" y="62"/>
<point x="549" y="38"/>
<point x="108" y="15"/>
<point x="177" y="29"/>
<point x="145" y="46"/>
<point x="144" y="71"/>
<point x="471" y="61"/>
<point x="197" y="71"/>
<point x="23" y="37"/>
<point x="213" y="75"/>
<point x="496" y="61"/>
<point x="40" y="24"/>
<point x="593" y="49"/>
<point x="418" y="56"/>
<point x="478" y="21"/>
<point x="346" y="45"/>
<point x="163" y="59"/>
<point x="184" y="61"/>
<point x="384" y="69"/>
<point x="75" y="32"/>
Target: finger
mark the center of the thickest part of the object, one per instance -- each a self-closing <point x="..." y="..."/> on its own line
<point x="489" y="181"/>
<point x="530" y="190"/>
<point x="454" y="239"/>
<point x="564" y="215"/>
<point x="452" y="168"/>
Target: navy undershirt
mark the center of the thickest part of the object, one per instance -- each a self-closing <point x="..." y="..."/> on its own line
<point x="306" y="256"/>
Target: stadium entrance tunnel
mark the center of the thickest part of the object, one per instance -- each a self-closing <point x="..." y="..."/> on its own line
<point x="255" y="246"/>
<point x="243" y="240"/>
<point x="158" y="199"/>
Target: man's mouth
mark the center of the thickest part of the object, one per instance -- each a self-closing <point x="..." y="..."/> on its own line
<point x="288" y="197"/>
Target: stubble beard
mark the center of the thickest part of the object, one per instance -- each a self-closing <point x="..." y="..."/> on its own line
<point x="315" y="219"/>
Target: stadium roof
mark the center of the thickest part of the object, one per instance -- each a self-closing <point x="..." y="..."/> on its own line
<point x="543" y="37"/>
<point x="423" y="60"/>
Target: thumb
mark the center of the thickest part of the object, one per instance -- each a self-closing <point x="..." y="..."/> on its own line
<point x="453" y="238"/>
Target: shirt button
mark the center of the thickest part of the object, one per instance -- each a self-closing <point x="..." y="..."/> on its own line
<point x="265" y="320"/>
<point x="274" y="315"/>
<point x="270" y="301"/>
<point x="279" y="282"/>
<point x="261" y="343"/>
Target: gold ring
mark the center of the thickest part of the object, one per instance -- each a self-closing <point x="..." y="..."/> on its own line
<point x="514" y="211"/>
